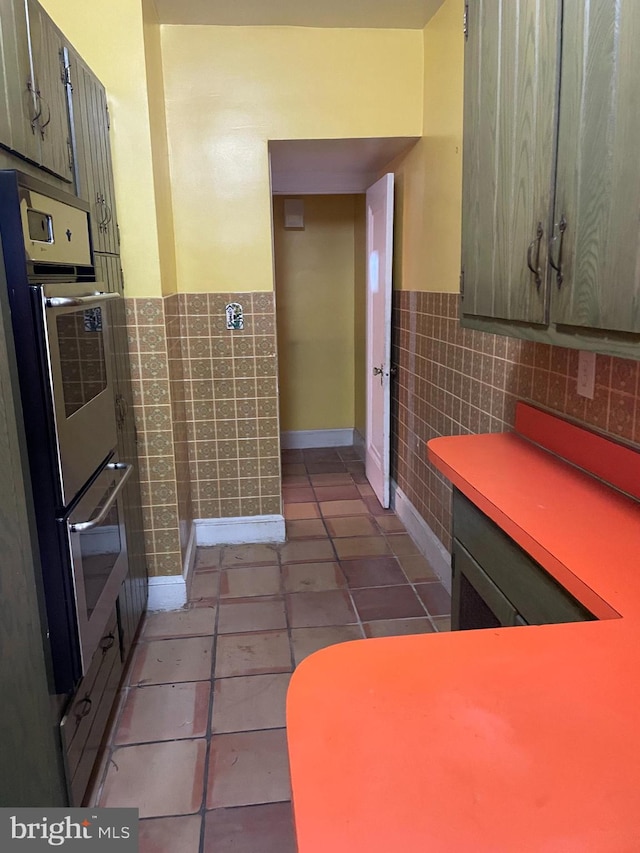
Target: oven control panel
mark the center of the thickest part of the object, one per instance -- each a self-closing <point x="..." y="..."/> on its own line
<point x="54" y="232"/>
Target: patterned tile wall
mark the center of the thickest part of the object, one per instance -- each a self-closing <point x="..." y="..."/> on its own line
<point x="147" y="334"/>
<point x="231" y="403"/>
<point x="206" y="414"/>
<point x="454" y="381"/>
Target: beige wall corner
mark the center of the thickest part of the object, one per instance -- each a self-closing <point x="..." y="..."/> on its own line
<point x="429" y="176"/>
<point x="111" y="41"/>
<point x="159" y="147"/>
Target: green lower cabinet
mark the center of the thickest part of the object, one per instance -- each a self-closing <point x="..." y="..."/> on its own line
<point x="496" y="583"/>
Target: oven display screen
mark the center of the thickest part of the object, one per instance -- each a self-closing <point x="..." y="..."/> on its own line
<point x="40" y="226"/>
<point x="82" y="357"/>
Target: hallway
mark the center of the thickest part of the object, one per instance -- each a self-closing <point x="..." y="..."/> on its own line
<point x="201" y="726"/>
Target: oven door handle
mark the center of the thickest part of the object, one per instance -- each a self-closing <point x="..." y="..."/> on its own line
<point x="72" y="301"/>
<point x="81" y="526"/>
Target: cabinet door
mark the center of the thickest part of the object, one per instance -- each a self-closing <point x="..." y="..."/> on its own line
<point x="50" y="85"/>
<point x="94" y="175"/>
<point x="598" y="178"/>
<point x="18" y="111"/>
<point x="133" y="597"/>
<point x="509" y="118"/>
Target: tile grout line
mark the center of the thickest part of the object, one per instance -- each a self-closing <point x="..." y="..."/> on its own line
<point x="209" y="732"/>
<point x="412" y="584"/>
<point x="349" y="591"/>
<point x="284" y="593"/>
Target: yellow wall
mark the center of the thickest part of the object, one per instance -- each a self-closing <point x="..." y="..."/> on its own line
<point x="315" y="275"/>
<point x="429" y="177"/>
<point x="231" y="89"/>
<point x="110" y="39"/>
<point x="159" y="147"/>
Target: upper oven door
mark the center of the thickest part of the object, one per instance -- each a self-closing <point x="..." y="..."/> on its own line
<point x="76" y="329"/>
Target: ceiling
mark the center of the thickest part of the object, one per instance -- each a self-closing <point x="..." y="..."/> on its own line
<point x="386" y="14"/>
<point x="309" y="166"/>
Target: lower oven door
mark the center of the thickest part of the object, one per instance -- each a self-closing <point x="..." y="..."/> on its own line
<point x="75" y="321"/>
<point x="98" y="548"/>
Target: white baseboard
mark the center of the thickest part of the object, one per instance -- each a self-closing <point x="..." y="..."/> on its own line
<point x="422" y="535"/>
<point x="306" y="438"/>
<point x="359" y="442"/>
<point x="240" y="531"/>
<point x="167" y="593"/>
<point x="189" y="557"/>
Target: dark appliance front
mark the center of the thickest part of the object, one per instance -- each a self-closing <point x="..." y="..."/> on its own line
<point x="495" y="584"/>
<point x="95" y="535"/>
<point x="60" y="321"/>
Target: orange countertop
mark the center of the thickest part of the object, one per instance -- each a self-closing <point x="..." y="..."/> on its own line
<point x="514" y="739"/>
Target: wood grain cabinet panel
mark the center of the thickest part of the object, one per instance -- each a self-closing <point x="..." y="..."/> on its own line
<point x="83" y="727"/>
<point x="551" y="195"/>
<point x="48" y="74"/>
<point x="92" y="151"/>
<point x="34" y="118"/>
<point x="18" y="124"/>
<point x="509" y="114"/>
<point x="598" y="176"/>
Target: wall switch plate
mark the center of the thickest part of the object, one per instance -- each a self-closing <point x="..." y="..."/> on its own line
<point x="586" y="374"/>
<point x="294" y="213"/>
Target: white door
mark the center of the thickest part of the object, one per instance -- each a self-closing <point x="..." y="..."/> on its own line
<point x="379" y="269"/>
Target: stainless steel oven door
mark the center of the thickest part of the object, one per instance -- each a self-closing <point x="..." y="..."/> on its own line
<point x="98" y="549"/>
<point x="76" y="326"/>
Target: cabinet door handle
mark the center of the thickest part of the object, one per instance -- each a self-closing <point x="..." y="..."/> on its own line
<point x="107" y="642"/>
<point x="557" y="265"/>
<point x="83" y="707"/>
<point x="38" y="100"/>
<point x="43" y="125"/>
<point x="101" y="203"/>
<point x="535" y="244"/>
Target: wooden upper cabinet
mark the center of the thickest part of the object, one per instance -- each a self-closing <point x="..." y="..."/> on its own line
<point x="49" y="79"/>
<point x="509" y="117"/>
<point x="598" y="175"/>
<point x="92" y="152"/>
<point x="19" y="130"/>
<point x="34" y="118"/>
<point x="551" y="141"/>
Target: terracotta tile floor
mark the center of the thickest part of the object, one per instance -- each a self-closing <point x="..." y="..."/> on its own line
<point x="199" y="746"/>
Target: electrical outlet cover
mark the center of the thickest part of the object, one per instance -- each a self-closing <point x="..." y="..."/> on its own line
<point x="586" y="374"/>
<point x="235" y="316"/>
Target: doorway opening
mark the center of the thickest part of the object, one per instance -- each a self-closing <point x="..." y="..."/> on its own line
<point x="321" y="225"/>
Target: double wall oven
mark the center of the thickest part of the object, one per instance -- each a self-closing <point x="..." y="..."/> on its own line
<point x="60" y="319"/>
